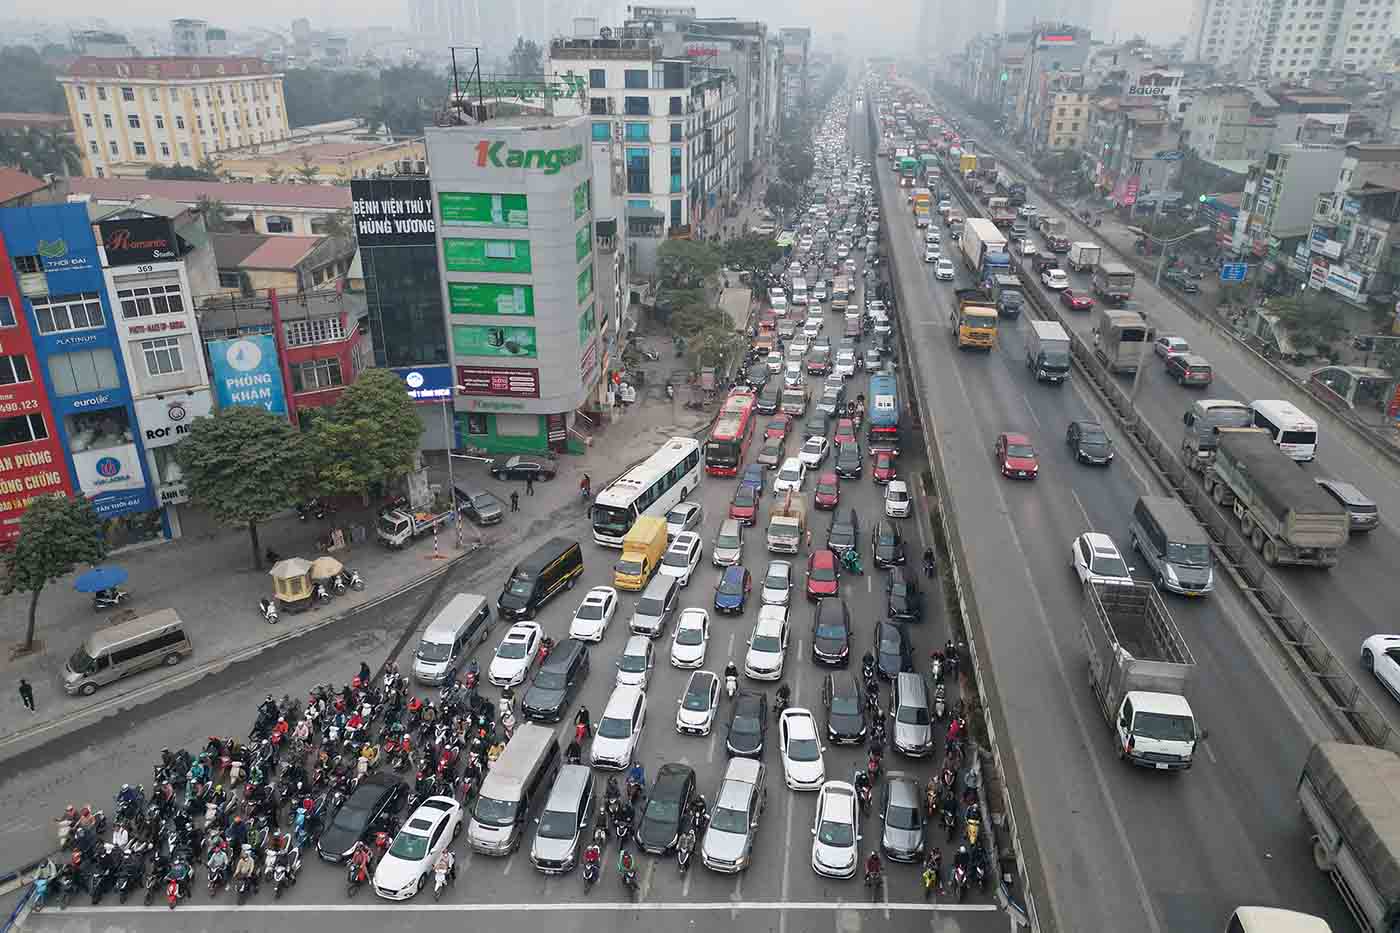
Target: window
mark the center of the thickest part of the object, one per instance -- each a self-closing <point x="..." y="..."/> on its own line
<point x="101" y="93"/>
<point x="636" y="106"/>
<point x="107" y="120"/>
<point x="184" y="150"/>
<point x="602" y="131"/>
<point x="165" y="150"/>
<point x="92" y="147"/>
<point x="160" y="122"/>
<point x="277" y="223"/>
<point x="199" y="120"/>
<point x="84" y="371"/>
<point x="635" y="79"/>
<point x="675" y="107"/>
<point x="175" y="96"/>
<point x="58" y="313"/>
<point x="82" y="93"/>
<point x="314" y="375"/>
<point x="87" y="120"/>
<point x="162" y="356"/>
<point x="676" y="212"/>
<point x="7" y="313"/>
<point x="598" y="106"/>
<point x="676" y="130"/>
<point x="22" y="429"/>
<point x="638" y="171"/>
<point x="14" y="369"/>
<point x="128" y="94"/>
<point x="309" y="331"/>
<point x="597" y="77"/>
<point x="138" y="148"/>
<point x="638" y="132"/>
<point x="155" y="94"/>
<point x="150" y="300"/>
<point x="229" y="278"/>
<point x="179" y="122"/>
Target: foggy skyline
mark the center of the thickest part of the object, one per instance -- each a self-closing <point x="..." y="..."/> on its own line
<point x="1161" y="21"/>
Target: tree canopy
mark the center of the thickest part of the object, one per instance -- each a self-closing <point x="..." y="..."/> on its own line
<point x="401" y="98"/>
<point x="56" y="534"/>
<point x="752" y="252"/>
<point x="527" y="58"/>
<point x="39" y="152"/>
<point x="686" y="263"/>
<point x="178" y="172"/>
<point x="28" y="83"/>
<point x="369" y="437"/>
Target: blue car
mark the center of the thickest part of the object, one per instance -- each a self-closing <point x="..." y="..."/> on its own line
<point x="753" y="476"/>
<point x="732" y="591"/>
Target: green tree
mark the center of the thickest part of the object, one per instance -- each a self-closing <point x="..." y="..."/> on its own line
<point x="307" y="170"/>
<point x="276" y="174"/>
<point x="39" y="152"/>
<point x="527" y="58"/>
<point x="338" y="224"/>
<point x="752" y="252"/>
<point x="780" y="197"/>
<point x="1311" y="318"/>
<point x="56" y="534"/>
<point x="178" y="172"/>
<point x="686" y="263"/>
<point x="369" y="437"/>
<point x="215" y="214"/>
<point x="28" y="83"/>
<point x="244" y="465"/>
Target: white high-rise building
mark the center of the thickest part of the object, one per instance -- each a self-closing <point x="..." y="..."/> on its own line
<point x="1273" y="40"/>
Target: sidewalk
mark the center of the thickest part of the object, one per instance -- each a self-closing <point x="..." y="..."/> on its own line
<point x="209" y="580"/>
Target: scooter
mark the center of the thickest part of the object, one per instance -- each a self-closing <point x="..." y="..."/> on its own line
<point x="591" y="867"/>
<point x="109" y="599"/>
<point x="685" y="847"/>
<point x="354" y="879"/>
<point x="268" y="609"/>
<point x="960" y="881"/>
<point x="442" y="877"/>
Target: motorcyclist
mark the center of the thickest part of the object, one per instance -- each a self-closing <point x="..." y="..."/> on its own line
<point x="447" y="864"/>
<point x="365" y="674"/>
<point x="929" y="562"/>
<point x="574" y="753"/>
<point x="698" y="809"/>
<point x="585" y="486"/>
<point x="637" y="776"/>
<point x="867" y="662"/>
<point x="784" y="696"/>
<point x="582" y="719"/>
<point x="267" y="710"/>
<point x="963" y="859"/>
<point x="218" y="861"/>
<point x="179" y="873"/>
<point x="731" y="671"/>
<point x="128" y="797"/>
<point x="613" y="792"/>
<point x="872" y="865"/>
<point x="246" y="868"/>
<point x="360" y="858"/>
<point x="625" y="866"/>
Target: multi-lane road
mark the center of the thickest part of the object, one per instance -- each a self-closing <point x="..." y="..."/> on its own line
<point x="1118" y="848"/>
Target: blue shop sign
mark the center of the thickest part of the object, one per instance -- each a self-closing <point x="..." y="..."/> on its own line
<point x="60" y="236"/>
<point x="426" y="384"/>
<point x="246" y="372"/>
<point x="91" y="401"/>
<point x="110" y="504"/>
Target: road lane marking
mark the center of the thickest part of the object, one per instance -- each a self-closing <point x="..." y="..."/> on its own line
<point x="685" y="885"/>
<point x="737" y="896"/>
<point x="1027" y="400"/>
<point x="864" y="906"/>
<point x="510" y="863"/>
<point x="1087" y="521"/>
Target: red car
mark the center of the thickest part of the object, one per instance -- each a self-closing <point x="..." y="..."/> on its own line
<point x="828" y="494"/>
<point x="845" y="433"/>
<point x="884" y="470"/>
<point x="1075" y="301"/>
<point x="777" y="428"/>
<point x="1016" y="457"/>
<point x="822" y="580"/>
<point x="743" y="508"/>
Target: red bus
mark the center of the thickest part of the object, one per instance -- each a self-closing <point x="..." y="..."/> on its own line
<point x="729" y="438"/>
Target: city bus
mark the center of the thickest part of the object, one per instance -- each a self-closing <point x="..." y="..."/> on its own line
<point x="729" y="438"/>
<point x="883" y="413"/>
<point x="1294" y="432"/>
<point x="652" y="487"/>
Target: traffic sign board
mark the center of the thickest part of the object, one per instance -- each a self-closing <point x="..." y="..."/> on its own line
<point x="1233" y="271"/>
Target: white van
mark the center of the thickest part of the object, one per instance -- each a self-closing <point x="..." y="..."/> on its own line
<point x="462" y="624"/>
<point x="777" y="298"/>
<point x="1294" y="432"/>
<point x="799" y="291"/>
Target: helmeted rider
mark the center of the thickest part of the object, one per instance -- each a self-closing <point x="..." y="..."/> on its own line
<point x="447" y="864"/>
<point x="872" y="864"/>
<point x="218" y="861"/>
<point x="360" y="858"/>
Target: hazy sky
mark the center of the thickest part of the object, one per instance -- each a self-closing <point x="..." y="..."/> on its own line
<point x="1159" y="19"/>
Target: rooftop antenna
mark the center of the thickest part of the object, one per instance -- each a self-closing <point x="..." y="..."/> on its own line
<point x="459" y="96"/>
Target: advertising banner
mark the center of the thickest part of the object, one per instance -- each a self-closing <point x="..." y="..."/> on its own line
<point x="427" y="384"/>
<point x="393" y="211"/>
<point x="139" y="240"/>
<point x="1328" y="247"/>
<point x="486" y="340"/>
<point x="498" y="381"/>
<point x="585" y="283"/>
<point x="27" y="472"/>
<point x="582" y="195"/>
<point x="468" y="209"/>
<point x="463" y="255"/>
<point x="1343" y="282"/>
<point x="109" y="469"/>
<point x="246" y="372"/>
<point x="583" y="242"/>
<point x="167" y="420"/>
<point x="586" y="325"/>
<point x="487" y="298"/>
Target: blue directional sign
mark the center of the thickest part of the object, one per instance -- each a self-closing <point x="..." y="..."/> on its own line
<point x="1233" y="271"/>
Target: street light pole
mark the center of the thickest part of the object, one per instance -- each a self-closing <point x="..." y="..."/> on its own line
<point x="1157" y="281"/>
<point x="449" y="428"/>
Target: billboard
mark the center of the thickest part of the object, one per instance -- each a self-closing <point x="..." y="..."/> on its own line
<point x="471" y="255"/>
<point x="139" y="240"/>
<point x="498" y="381"/>
<point x="426" y="384"/>
<point x="490" y="340"/>
<point x="246" y="372"/>
<point x="393" y="212"/>
<point x="470" y="209"/>
<point x="485" y="298"/>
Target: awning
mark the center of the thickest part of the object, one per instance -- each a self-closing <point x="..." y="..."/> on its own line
<point x="644" y="213"/>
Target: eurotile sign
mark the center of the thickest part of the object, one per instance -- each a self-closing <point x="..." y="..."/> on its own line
<point x="496" y="154"/>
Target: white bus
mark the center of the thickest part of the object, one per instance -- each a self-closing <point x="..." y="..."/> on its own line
<point x="799" y="291"/>
<point x="1294" y="432"/>
<point x="1274" y="920"/>
<point x="652" y="487"/>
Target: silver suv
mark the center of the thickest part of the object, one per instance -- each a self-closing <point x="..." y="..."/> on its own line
<point x="728" y="842"/>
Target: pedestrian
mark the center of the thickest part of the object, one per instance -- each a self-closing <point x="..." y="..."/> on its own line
<point x="514" y="501"/>
<point x="529" y="485"/>
<point x="26" y="694"/>
<point x="809" y="540"/>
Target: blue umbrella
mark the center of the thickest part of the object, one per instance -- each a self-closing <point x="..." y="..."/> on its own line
<point x="100" y="578"/>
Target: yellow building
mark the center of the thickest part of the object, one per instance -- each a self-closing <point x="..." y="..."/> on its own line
<point x="133" y="113"/>
<point x="334" y="162"/>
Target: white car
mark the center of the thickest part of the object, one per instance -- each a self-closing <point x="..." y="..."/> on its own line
<point x="1096" y="559"/>
<point x="698" y="704"/>
<point x="790" y="476"/>
<point x="407" y="867"/>
<point x="801" y="750"/>
<point x="933" y="253"/>
<point x="768" y="644"/>
<point x="812" y="327"/>
<point x="798" y="348"/>
<point x="686" y="516"/>
<point x="635" y="664"/>
<point x="777" y="583"/>
<point x="593" y="614"/>
<point x="794" y="377"/>
<point x="836" y="832"/>
<point x="690" y="639"/>
<point x="1055" y="279"/>
<point x="1380" y="654"/>
<point x="514" y="655"/>
<point x="615" y="740"/>
<point x="897" y="502"/>
<point x="933" y="236"/>
<point x="1025" y="247"/>
<point x="845" y="363"/>
<point x="775" y="362"/>
<point x="680" y="560"/>
<point x="1169" y="345"/>
<point x="813" y="452"/>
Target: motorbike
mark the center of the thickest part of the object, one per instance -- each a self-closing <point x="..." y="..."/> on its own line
<point x="130" y="879"/>
<point x="873" y="881"/>
<point x="731" y="684"/>
<point x="863" y="797"/>
<point x="40" y="895"/>
<point x="176" y="881"/>
<point x="979" y="869"/>
<point x="442" y="877"/>
<point x="974" y="823"/>
<point x="960" y="881"/>
<point x="629" y="881"/>
<point x="245" y="887"/>
<point x="68" y="882"/>
<point x="940" y="702"/>
<point x="284" y="875"/>
<point x="354" y="878"/>
<point x="950" y="821"/>
<point x="320" y="595"/>
<point x="685" y="847"/>
<point x="591" y="866"/>
<point x="101" y="883"/>
<point x="109" y="599"/>
<point x="338" y="583"/>
<point x="218" y="877"/>
<point x="268" y="609"/>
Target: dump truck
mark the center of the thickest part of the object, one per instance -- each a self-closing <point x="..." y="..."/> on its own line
<point x="397" y="527"/>
<point x="1120" y="339"/>
<point x="1204" y="421"/>
<point x="1056" y="232"/>
<point x="1284" y="514"/>
<point x="1084" y="256"/>
<point x="1350" y="795"/>
<point x="974" y="321"/>
<point x="1113" y="282"/>
<point x="786" y="525"/>
<point x="1140" y="668"/>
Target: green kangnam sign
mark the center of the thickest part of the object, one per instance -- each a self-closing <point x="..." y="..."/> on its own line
<point x="496" y="154"/>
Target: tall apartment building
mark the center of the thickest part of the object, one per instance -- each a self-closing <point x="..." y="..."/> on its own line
<point x="797" y="46"/>
<point x="132" y="113"/>
<point x="196" y="38"/>
<point x="1289" y="39"/>
<point x="1052" y="53"/>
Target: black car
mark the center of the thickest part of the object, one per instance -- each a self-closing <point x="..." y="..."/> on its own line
<point x="893" y="652"/>
<point x="556" y="683"/>
<point x="845" y="708"/>
<point x="1182" y="281"/>
<point x="1089" y="442"/>
<point x="831" y="633"/>
<point x="748" y="724"/>
<point x="1043" y="262"/>
<point x="522" y="466"/>
<point x="368" y="810"/>
<point x="844" y="534"/>
<point x="816" y="425"/>
<point x="888" y="545"/>
<point x="668" y="802"/>
<point x="757" y="376"/>
<point x="769" y="400"/>
<point x="480" y="506"/>
<point x="848" y="461"/>
<point x="902" y="599"/>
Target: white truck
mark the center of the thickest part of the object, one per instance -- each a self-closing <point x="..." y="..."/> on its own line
<point x="1047" y="351"/>
<point x="787" y="524"/>
<point x="398" y="527"/>
<point x="1139" y="668"/>
<point x="980" y="240"/>
<point x="1083" y="256"/>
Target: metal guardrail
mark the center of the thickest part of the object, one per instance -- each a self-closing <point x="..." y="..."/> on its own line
<point x="1324" y="674"/>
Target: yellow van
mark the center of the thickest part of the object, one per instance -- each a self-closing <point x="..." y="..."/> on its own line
<point x="642" y="548"/>
<point x="115" y="651"/>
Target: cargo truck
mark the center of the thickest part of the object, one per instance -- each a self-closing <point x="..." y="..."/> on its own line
<point x="1120" y="340"/>
<point x="786" y="525"/>
<point x="1349" y="794"/>
<point x="1047" y="352"/>
<point x="1000" y="211"/>
<point x="1113" y="282"/>
<point x="1140" y="668"/>
<point x="1056" y="232"/>
<point x="967" y="164"/>
<point x="396" y="528"/>
<point x="1016" y="193"/>
<point x="974" y="320"/>
<point x="984" y="248"/>
<point x="1285" y="515"/>
<point x="1083" y="256"/>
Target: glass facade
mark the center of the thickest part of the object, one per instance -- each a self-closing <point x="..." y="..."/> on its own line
<point x="405" y="305"/>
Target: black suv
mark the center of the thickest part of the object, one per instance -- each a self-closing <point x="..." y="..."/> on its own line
<point x="748" y="724"/>
<point x="1089" y="442"/>
<point x="844" y="534"/>
<point x="368" y="810"/>
<point x="902" y="599"/>
<point x="831" y="633"/>
<point x="888" y="545"/>
<point x="668" y="804"/>
<point x="845" y="708"/>
<point x="556" y="683"/>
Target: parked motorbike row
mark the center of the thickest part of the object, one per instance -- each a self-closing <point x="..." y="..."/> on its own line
<point x="246" y="810"/>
